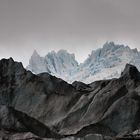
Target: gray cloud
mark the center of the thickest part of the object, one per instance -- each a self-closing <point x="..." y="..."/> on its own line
<point x="76" y="25"/>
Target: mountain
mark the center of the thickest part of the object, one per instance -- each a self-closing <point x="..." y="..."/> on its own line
<point x="107" y="62"/>
<point x="60" y="64"/>
<point x="43" y="106"/>
<point x="104" y="63"/>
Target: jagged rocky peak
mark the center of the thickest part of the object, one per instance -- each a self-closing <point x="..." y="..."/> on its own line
<point x="35" y="53"/>
<point x="64" y="52"/>
<point x="107" y="62"/>
<point x="9" y="66"/>
<point x="131" y="72"/>
<point x="108" y="49"/>
<point x="36" y="63"/>
<point x="62" y="57"/>
<point x="60" y="64"/>
<point x="35" y="56"/>
<point x="111" y="44"/>
<point x="104" y="63"/>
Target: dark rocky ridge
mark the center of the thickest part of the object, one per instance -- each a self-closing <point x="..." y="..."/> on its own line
<point x="56" y="109"/>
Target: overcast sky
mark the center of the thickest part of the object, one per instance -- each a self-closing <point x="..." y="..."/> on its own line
<point x="78" y="26"/>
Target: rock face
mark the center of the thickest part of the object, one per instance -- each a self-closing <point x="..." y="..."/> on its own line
<point x="49" y="107"/>
<point x="4" y="135"/>
<point x="104" y="63"/>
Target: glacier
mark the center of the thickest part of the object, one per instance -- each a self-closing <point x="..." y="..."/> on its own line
<point x="104" y="63"/>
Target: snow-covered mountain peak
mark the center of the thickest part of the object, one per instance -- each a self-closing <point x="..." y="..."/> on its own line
<point x="62" y="57"/>
<point x="107" y="62"/>
<point x="35" y="53"/>
<point x="103" y="63"/>
<point x="63" y="52"/>
<point x="60" y="64"/>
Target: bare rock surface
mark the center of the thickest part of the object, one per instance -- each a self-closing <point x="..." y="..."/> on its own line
<point x="49" y="107"/>
<point x="4" y="135"/>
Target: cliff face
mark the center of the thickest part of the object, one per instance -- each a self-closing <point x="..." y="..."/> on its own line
<point x="50" y="107"/>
